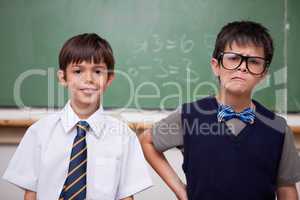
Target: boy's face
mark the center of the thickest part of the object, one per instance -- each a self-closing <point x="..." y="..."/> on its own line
<point x="239" y="81"/>
<point x="86" y="83"/>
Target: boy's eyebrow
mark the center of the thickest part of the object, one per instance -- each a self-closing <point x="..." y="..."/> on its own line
<point x="100" y="66"/>
<point x="94" y="66"/>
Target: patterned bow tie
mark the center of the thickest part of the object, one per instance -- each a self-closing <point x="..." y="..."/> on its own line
<point x="226" y="113"/>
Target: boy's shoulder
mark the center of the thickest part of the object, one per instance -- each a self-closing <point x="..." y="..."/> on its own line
<point x="42" y="129"/>
<point x="45" y="122"/>
<point x="116" y="125"/>
<point x="270" y="118"/>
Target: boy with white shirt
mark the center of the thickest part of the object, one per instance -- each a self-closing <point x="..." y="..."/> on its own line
<point x="80" y="152"/>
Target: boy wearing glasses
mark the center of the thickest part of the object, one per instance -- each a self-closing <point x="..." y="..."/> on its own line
<point x="234" y="148"/>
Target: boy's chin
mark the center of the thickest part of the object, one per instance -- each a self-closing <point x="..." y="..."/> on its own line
<point x="88" y="101"/>
<point x="237" y="91"/>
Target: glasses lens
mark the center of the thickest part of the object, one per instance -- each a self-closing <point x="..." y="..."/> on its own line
<point x="256" y="65"/>
<point x="231" y="60"/>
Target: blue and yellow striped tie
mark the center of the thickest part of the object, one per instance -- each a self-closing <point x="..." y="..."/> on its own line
<point x="75" y="184"/>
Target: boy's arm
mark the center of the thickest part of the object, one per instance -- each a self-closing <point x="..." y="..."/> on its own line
<point x="23" y="168"/>
<point x="287" y="193"/>
<point x="29" y="195"/>
<point x="289" y="169"/>
<point x="160" y="164"/>
<point x="128" y="198"/>
<point x="133" y="166"/>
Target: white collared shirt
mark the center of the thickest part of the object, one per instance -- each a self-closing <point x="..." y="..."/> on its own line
<point x="116" y="167"/>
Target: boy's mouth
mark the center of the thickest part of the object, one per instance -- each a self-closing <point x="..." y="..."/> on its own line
<point x="88" y="90"/>
<point x="238" y="78"/>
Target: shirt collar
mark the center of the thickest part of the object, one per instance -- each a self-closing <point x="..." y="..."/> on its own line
<point x="69" y="119"/>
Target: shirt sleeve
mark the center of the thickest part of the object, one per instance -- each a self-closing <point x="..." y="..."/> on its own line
<point x="135" y="176"/>
<point x="168" y="132"/>
<point x="24" y="165"/>
<point x="289" y="167"/>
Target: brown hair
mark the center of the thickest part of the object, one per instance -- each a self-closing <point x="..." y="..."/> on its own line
<point x="88" y="47"/>
<point x="243" y="33"/>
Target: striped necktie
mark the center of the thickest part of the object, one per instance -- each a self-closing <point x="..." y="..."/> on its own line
<point x="75" y="184"/>
<point x="226" y="112"/>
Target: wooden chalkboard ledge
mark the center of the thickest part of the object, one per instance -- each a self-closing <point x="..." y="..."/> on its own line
<point x="138" y="127"/>
<point x="13" y="123"/>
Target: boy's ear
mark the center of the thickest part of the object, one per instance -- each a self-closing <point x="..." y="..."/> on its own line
<point x="263" y="76"/>
<point x="215" y="67"/>
<point x="61" y="78"/>
<point x="110" y="78"/>
<point x="265" y="72"/>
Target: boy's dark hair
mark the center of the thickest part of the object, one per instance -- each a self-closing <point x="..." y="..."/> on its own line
<point x="86" y="47"/>
<point x="244" y="33"/>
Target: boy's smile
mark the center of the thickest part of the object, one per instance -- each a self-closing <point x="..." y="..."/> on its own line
<point x="86" y="83"/>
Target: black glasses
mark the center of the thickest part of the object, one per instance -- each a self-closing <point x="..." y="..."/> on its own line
<point x="255" y="65"/>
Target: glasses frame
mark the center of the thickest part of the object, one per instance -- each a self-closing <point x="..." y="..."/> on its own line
<point x="243" y="58"/>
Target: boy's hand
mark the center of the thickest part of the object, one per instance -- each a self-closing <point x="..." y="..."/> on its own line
<point x="287" y="193"/>
<point x="182" y="194"/>
<point x="128" y="198"/>
<point x="161" y="165"/>
<point x="29" y="195"/>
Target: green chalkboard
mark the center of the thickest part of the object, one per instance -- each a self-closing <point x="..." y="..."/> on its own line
<point x="162" y="49"/>
<point x="293" y="46"/>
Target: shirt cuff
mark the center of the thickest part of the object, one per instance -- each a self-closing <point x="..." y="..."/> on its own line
<point x="287" y="182"/>
<point x="20" y="181"/>
<point x="132" y="190"/>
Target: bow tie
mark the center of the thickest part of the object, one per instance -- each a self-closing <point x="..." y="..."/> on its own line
<point x="226" y="113"/>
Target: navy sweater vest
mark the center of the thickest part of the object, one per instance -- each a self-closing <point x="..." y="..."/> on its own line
<point x="221" y="166"/>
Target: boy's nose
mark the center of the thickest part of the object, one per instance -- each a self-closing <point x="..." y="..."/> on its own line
<point x="243" y="66"/>
<point x="88" y="77"/>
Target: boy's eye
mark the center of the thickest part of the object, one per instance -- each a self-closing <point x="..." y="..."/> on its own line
<point x="98" y="71"/>
<point x="233" y="57"/>
<point x="255" y="62"/>
<point x="77" y="71"/>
